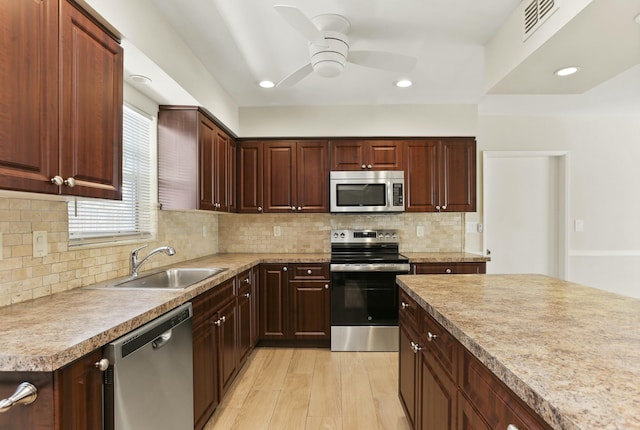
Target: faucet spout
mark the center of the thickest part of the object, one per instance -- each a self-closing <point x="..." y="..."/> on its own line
<point x="135" y="263"/>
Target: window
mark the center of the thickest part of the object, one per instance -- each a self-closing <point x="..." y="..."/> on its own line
<point x="95" y="220"/>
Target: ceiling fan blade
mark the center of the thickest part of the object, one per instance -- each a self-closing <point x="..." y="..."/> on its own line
<point x="382" y="60"/>
<point x="296" y="76"/>
<point x="301" y="23"/>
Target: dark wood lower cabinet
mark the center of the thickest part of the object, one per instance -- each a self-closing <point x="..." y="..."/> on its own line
<point x="226" y="347"/>
<point x="449" y="268"/>
<point x="294" y="302"/>
<point x="442" y="386"/>
<point x="36" y="416"/>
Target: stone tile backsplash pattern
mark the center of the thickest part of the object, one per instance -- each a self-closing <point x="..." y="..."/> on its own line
<point x="192" y="233"/>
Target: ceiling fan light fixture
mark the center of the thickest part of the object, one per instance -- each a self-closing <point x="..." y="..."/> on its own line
<point x="403" y="83"/>
<point x="266" y="84"/>
<point x="328" y="68"/>
<point x="566" y="71"/>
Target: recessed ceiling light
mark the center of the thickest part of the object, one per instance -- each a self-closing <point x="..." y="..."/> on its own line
<point x="566" y="71"/>
<point x="403" y="83"/>
<point x="266" y="84"/>
<point x="141" y="79"/>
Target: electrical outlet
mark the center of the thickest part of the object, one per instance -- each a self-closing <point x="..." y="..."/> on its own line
<point x="420" y="231"/>
<point x="40" y="244"/>
<point x="578" y="225"/>
<point x="276" y="230"/>
<point x="204" y="230"/>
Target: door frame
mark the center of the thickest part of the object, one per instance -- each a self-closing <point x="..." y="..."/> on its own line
<point x="562" y="219"/>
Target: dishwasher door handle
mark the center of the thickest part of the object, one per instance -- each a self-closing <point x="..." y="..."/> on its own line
<point x="161" y="340"/>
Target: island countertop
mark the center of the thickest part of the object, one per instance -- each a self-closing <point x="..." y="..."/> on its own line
<point x="571" y="352"/>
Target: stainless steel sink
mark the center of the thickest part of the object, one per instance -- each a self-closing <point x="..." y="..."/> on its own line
<point x="169" y="279"/>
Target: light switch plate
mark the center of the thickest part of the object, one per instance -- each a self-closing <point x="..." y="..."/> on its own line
<point x="420" y="231"/>
<point x="276" y="230"/>
<point x="40" y="244"/>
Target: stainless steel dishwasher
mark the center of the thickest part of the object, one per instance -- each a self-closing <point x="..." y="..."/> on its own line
<point x="150" y="383"/>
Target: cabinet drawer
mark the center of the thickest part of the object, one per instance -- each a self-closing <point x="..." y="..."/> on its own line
<point x="208" y="302"/>
<point x="495" y="402"/>
<point x="303" y="271"/>
<point x="244" y="280"/>
<point x="408" y="310"/>
<point x="440" y="344"/>
<point x="449" y="268"/>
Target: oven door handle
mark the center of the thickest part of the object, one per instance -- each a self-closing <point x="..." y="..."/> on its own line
<point x="370" y="267"/>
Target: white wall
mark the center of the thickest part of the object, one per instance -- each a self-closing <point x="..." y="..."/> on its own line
<point x="604" y="183"/>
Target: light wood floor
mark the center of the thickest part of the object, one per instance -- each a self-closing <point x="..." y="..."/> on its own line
<point x="313" y="389"/>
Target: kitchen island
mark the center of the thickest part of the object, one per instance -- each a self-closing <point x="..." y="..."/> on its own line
<point x="569" y="352"/>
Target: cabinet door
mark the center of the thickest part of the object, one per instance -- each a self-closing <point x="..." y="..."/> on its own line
<point x="312" y="172"/>
<point x="221" y="171"/>
<point x="206" y="161"/>
<point x="421" y="176"/>
<point x="407" y="373"/>
<point x="79" y="394"/>
<point x="273" y="302"/>
<point x="250" y="177"/>
<point x="310" y="313"/>
<point x="29" y="102"/>
<point x="255" y="282"/>
<point x="231" y="177"/>
<point x="384" y="155"/>
<point x="468" y="417"/>
<point x="348" y="155"/>
<point x="205" y="372"/>
<point x="438" y="400"/>
<point x="227" y="358"/>
<point x="279" y="176"/>
<point x="458" y="177"/>
<point x="39" y="415"/>
<point x="450" y="268"/>
<point x="91" y="107"/>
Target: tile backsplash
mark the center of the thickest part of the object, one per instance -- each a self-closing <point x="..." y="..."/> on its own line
<point x="192" y="233"/>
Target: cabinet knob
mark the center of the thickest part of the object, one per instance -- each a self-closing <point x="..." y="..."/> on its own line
<point x="284" y="269"/>
<point x="431" y="337"/>
<point x="247" y="280"/>
<point x="369" y="166"/>
<point x="512" y="427"/>
<point x="299" y="208"/>
<point x="102" y="365"/>
<point x="309" y="272"/>
<point x="25" y="394"/>
<point x="444" y="208"/>
<point x="364" y="166"/>
<point x="70" y="182"/>
<point x="404" y="305"/>
<point x="415" y="347"/>
<point x="447" y="270"/>
<point x="57" y="180"/>
<point x="260" y="209"/>
<point x="247" y="295"/>
<point x="218" y="322"/>
<point x="326" y="286"/>
<point x="437" y="208"/>
<point x="293" y="208"/>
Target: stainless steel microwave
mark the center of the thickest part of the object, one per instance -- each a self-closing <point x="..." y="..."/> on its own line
<point x="367" y="191"/>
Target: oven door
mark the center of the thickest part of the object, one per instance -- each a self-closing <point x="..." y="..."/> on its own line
<point x="364" y="298"/>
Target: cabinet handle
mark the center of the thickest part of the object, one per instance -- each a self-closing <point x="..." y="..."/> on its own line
<point x="247" y="295"/>
<point x="404" y="305"/>
<point x="57" y="180"/>
<point x="415" y="347"/>
<point x="70" y="182"/>
<point x="25" y="394"/>
<point x="102" y="365"/>
<point x="260" y="209"/>
<point x="284" y="269"/>
<point x="512" y="427"/>
<point x="447" y="270"/>
<point x="309" y="272"/>
<point x="431" y="337"/>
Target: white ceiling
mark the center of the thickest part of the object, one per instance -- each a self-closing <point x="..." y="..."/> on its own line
<point x="242" y="42"/>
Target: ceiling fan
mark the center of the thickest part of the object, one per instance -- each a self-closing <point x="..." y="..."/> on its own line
<point x="329" y="47"/>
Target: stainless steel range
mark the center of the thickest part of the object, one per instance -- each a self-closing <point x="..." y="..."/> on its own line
<point x="364" y="294"/>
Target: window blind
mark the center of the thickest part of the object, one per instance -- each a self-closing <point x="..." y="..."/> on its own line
<point x="95" y="220"/>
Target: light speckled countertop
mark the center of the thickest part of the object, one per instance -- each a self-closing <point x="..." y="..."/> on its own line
<point x="571" y="352"/>
<point x="48" y="333"/>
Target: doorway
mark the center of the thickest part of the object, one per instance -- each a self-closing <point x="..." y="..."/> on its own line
<point x="525" y="212"/>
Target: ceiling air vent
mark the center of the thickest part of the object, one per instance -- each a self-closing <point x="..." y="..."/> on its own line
<point x="535" y="12"/>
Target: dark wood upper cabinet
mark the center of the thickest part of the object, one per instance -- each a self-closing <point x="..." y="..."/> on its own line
<point x="62" y="101"/>
<point x="367" y="155"/>
<point x="196" y="161"/>
<point x="440" y="175"/>
<point x="283" y="176"/>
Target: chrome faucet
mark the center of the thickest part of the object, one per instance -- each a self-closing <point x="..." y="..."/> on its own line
<point x="134" y="264"/>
